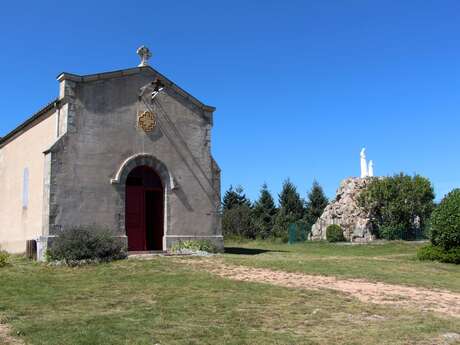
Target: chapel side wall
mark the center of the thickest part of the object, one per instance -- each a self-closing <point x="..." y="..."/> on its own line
<point x="18" y="224"/>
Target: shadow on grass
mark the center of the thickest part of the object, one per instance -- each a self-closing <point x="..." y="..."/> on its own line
<point x="248" y="251"/>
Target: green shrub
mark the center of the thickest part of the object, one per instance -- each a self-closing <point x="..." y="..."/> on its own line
<point x="199" y="245"/>
<point x="445" y="222"/>
<point x="87" y="243"/>
<point x="436" y="253"/>
<point x="334" y="233"/>
<point x="399" y="206"/>
<point x="392" y="233"/>
<point x="4" y="258"/>
<point x="237" y="221"/>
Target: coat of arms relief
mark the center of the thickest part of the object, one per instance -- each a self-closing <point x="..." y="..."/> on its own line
<point x="146" y="121"/>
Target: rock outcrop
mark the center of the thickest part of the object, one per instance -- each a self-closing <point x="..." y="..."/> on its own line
<point x="346" y="212"/>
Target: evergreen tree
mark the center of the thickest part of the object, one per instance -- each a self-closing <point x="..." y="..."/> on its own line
<point x="291" y="209"/>
<point x="236" y="216"/>
<point x="315" y="205"/>
<point x="264" y="213"/>
<point x="235" y="197"/>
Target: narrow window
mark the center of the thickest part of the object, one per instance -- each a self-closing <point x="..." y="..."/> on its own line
<point x="25" y="189"/>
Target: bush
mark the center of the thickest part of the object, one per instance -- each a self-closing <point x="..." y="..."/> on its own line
<point x="237" y="221"/>
<point x="392" y="233"/>
<point x="436" y="253"/>
<point x="200" y="245"/>
<point x="399" y="206"/>
<point x="87" y="243"/>
<point x="445" y="222"/>
<point x="4" y="258"/>
<point x="334" y="233"/>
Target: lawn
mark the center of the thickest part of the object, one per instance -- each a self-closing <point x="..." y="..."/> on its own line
<point x="164" y="301"/>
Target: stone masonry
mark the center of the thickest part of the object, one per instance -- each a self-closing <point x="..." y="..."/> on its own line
<point x="80" y="151"/>
<point x="345" y="211"/>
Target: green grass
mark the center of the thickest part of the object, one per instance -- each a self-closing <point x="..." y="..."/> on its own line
<point x="391" y="262"/>
<point x="162" y="301"/>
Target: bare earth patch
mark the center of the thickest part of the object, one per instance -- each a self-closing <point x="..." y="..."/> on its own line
<point x="440" y="301"/>
<point x="5" y="338"/>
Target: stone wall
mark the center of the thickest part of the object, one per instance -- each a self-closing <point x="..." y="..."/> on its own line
<point x="102" y="135"/>
<point x="345" y="211"/>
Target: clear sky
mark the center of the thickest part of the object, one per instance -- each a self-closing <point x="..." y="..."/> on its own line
<point x="299" y="86"/>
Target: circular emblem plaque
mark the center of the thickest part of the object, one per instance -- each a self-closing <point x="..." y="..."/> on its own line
<point x="146" y="121"/>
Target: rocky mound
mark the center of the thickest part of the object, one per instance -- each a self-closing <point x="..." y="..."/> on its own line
<point x="345" y="211"/>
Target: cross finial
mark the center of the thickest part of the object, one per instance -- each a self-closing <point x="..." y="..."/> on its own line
<point x="145" y="54"/>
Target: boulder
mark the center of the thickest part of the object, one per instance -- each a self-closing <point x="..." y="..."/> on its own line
<point x="345" y="211"/>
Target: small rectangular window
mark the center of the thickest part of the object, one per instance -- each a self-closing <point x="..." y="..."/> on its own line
<point x="25" y="189"/>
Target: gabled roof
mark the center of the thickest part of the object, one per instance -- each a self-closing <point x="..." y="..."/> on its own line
<point x="41" y="114"/>
<point x="135" y="70"/>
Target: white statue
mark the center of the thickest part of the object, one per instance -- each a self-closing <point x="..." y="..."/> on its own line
<point x="364" y="172"/>
<point x="370" y="169"/>
<point x="145" y="54"/>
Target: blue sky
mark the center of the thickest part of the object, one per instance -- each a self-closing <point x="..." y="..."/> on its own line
<point x="299" y="86"/>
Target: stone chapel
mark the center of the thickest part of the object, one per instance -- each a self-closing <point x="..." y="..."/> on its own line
<point x="127" y="150"/>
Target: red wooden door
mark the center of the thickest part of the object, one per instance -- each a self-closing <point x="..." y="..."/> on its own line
<point x="135" y="218"/>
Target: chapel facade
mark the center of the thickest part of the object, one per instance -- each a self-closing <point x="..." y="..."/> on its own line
<point x="127" y="150"/>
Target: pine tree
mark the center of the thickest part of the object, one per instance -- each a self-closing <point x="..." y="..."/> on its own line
<point x="235" y="197"/>
<point x="315" y="205"/>
<point x="264" y="213"/>
<point x="291" y="209"/>
<point x="290" y="201"/>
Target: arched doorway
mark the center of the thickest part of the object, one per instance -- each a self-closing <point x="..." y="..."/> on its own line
<point x="144" y="210"/>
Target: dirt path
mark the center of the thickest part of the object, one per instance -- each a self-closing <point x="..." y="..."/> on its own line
<point x="5" y="338"/>
<point x="444" y="302"/>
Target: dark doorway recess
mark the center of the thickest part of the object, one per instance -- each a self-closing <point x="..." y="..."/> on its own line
<point x="144" y="210"/>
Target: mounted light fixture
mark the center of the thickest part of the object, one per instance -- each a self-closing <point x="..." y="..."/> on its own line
<point x="158" y="86"/>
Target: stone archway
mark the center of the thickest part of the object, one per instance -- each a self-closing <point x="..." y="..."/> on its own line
<point x="120" y="183"/>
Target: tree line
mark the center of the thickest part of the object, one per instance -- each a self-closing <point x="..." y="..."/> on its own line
<point x="264" y="218"/>
<point x="398" y="206"/>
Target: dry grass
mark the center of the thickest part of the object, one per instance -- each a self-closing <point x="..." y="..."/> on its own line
<point x="439" y="301"/>
<point x="393" y="263"/>
<point x="5" y="334"/>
